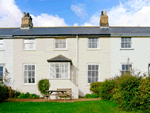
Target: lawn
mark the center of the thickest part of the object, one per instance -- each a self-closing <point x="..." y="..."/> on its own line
<point x="96" y="106"/>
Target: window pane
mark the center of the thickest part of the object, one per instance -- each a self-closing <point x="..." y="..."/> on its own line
<point x="122" y="39"/>
<point x="29" y="67"/>
<point x="96" y="67"/>
<point x="1" y="68"/>
<point x="93" y="67"/>
<point x="125" y="45"/>
<point x="33" y="67"/>
<point x="96" y="73"/>
<point x="129" y="39"/>
<point x="33" y="80"/>
<point x="89" y="73"/>
<point x="122" y="45"/>
<point x="29" y="74"/>
<point x="92" y="79"/>
<point x="25" y="73"/>
<point x="89" y="80"/>
<point x="33" y="73"/>
<point x="56" y="45"/>
<point x="96" y="79"/>
<point x="89" y="45"/>
<point x="125" y="39"/>
<point x="26" y="67"/>
<point x="89" y="67"/>
<point x="129" y="45"/>
<point x="93" y="73"/>
<point x="123" y="67"/>
<point x="29" y="79"/>
<point x="57" y="75"/>
<point x="25" y="80"/>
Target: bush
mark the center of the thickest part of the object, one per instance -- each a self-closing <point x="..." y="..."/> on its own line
<point x="28" y="95"/>
<point x="106" y="89"/>
<point x="126" y="92"/>
<point x="43" y="85"/>
<point x="4" y="93"/>
<point x="95" y="87"/>
<point x="142" y="98"/>
<point x="94" y="95"/>
<point x="15" y="94"/>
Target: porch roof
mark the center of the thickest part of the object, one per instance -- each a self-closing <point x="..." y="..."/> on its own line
<point x="60" y="58"/>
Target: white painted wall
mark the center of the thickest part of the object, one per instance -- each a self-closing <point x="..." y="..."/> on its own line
<point x="139" y="57"/>
<point x="6" y="56"/>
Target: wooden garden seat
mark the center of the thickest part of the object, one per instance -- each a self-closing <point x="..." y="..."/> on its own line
<point x="68" y="93"/>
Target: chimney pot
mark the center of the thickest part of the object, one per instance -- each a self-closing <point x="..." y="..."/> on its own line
<point x="28" y="15"/>
<point x="102" y="13"/>
<point x="26" y="21"/>
<point x="105" y="13"/>
<point x="104" y="19"/>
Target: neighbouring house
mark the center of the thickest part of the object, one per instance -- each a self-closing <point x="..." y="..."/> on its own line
<point x="71" y="57"/>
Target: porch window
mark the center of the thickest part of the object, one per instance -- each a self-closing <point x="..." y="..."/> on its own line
<point x="29" y="73"/>
<point x="60" y="70"/>
<point x="1" y="73"/>
<point x="93" y="73"/>
<point x="29" y="44"/>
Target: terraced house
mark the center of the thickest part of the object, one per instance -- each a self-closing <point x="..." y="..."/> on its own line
<point x="71" y="57"/>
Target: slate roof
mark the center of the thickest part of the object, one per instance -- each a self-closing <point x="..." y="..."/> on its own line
<point x="54" y="31"/>
<point x="59" y="58"/>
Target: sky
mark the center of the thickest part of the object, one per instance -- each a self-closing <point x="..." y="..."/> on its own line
<point x="49" y="13"/>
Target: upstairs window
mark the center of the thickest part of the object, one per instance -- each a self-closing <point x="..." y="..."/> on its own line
<point x="126" y="68"/>
<point x="60" y="43"/>
<point x="1" y="73"/>
<point x="1" y="44"/>
<point x="125" y="42"/>
<point x="29" y="44"/>
<point x="60" y="70"/>
<point x="93" y="43"/>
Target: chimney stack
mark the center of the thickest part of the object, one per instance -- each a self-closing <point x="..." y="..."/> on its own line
<point x="104" y="19"/>
<point x="26" y="21"/>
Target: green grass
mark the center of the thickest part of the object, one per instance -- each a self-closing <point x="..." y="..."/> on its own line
<point x="97" y="106"/>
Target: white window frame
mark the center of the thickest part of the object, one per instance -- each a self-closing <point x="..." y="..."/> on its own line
<point x="59" y="48"/>
<point x="98" y="43"/>
<point x="126" y="42"/>
<point x="125" y="67"/>
<point x="2" y="43"/>
<point x="69" y="70"/>
<point x="94" y="63"/>
<point x="27" y="75"/>
<point x="32" y="42"/>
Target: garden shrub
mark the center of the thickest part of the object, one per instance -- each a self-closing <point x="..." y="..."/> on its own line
<point x="94" y="95"/>
<point x="16" y="94"/>
<point x="125" y="90"/>
<point x="4" y="93"/>
<point x="95" y="87"/>
<point x="28" y="95"/>
<point x="43" y="85"/>
<point x="106" y="89"/>
<point x="142" y="98"/>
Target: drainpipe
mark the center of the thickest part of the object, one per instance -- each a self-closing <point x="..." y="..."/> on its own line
<point x="77" y="56"/>
<point x="148" y="69"/>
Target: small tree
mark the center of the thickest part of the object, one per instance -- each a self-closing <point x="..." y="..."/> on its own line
<point x="43" y="85"/>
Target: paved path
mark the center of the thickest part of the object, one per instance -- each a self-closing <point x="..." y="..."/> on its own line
<point x="45" y="100"/>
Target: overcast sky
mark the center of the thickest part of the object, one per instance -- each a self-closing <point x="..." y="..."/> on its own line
<point x="47" y="13"/>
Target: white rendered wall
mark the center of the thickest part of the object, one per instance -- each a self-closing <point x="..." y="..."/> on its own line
<point x="6" y="56"/>
<point x="139" y="57"/>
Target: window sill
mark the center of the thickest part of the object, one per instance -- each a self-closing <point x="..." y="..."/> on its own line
<point x="28" y="84"/>
<point x="60" y="49"/>
<point x="127" y="49"/>
<point x="29" y="50"/>
<point x="59" y="79"/>
<point x="94" y="49"/>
